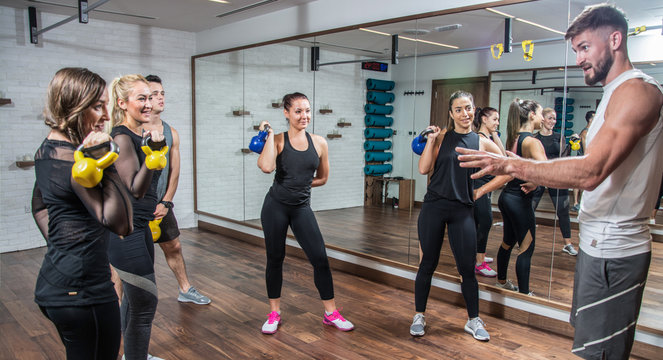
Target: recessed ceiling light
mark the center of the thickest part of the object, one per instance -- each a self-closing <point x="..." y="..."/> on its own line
<point x="447" y="27"/>
<point x="221" y="1"/>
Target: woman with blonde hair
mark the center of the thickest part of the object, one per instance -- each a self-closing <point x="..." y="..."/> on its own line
<point x="74" y="288"/>
<point x="133" y="256"/>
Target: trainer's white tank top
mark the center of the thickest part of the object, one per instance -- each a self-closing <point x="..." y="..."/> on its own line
<point x="614" y="217"/>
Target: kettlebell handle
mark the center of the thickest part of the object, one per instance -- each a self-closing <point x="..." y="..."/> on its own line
<point x="104" y="161"/>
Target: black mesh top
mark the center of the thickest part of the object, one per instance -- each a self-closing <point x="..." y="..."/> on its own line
<point x="450" y="181"/>
<point x="75" y="222"/>
<point x="141" y="182"/>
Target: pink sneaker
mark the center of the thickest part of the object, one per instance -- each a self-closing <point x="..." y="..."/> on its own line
<point x="485" y="270"/>
<point x="335" y="319"/>
<point x="272" y="324"/>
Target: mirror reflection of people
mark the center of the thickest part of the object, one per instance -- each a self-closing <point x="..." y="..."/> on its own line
<point x="133" y="255"/>
<point x="515" y="202"/>
<point x="551" y="141"/>
<point x="301" y="161"/>
<point x="620" y="174"/>
<point x="74" y="288"/>
<point x="449" y="201"/>
<point x="169" y="241"/>
<point x="486" y="122"/>
<point x="589" y="116"/>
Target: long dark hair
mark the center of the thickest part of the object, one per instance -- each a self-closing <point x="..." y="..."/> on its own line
<point x="457" y="95"/>
<point x="518" y="115"/>
<point x="479" y="113"/>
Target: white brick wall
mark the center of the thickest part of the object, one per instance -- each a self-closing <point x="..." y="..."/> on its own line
<point x="108" y="48"/>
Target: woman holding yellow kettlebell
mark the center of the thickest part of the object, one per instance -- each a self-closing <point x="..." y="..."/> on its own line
<point x="133" y="256"/>
<point x="74" y="288"/>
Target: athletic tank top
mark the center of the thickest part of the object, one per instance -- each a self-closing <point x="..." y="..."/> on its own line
<point x="550" y="144"/>
<point x="75" y="269"/>
<point x="513" y="186"/>
<point x="294" y="173"/>
<point x="162" y="185"/>
<point x="143" y="207"/>
<point x="614" y="216"/>
<point x="450" y="181"/>
<point x="486" y="178"/>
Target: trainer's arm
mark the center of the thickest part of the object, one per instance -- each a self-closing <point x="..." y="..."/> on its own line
<point x="632" y="113"/>
<point x="173" y="175"/>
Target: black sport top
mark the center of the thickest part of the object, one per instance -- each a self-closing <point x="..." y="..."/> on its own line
<point x="550" y="144"/>
<point x="450" y="181"/>
<point x="513" y="186"/>
<point x="75" y="270"/>
<point x="143" y="207"/>
<point x="294" y="173"/>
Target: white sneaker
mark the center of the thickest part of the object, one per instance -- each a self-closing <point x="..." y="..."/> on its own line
<point x="272" y="324"/>
<point x="335" y="319"/>
<point x="488" y="259"/>
<point x="508" y="285"/>
<point x="569" y="249"/>
<point x="418" y="325"/>
<point x="476" y="328"/>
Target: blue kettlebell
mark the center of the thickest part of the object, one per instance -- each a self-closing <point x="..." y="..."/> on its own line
<point x="258" y="141"/>
<point x="419" y="142"/>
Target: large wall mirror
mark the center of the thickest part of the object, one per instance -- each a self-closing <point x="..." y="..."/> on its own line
<point x="362" y="208"/>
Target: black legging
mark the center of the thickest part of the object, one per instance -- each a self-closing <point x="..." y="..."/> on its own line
<point x="87" y="332"/>
<point x="433" y="218"/>
<point x="275" y="218"/>
<point x="133" y="259"/>
<point x="483" y="217"/>
<point x="560" y="200"/>
<point x="518" y="217"/>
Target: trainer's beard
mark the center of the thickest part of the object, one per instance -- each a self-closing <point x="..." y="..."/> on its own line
<point x="600" y="70"/>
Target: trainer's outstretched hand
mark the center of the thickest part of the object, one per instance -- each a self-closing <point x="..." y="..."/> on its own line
<point x="489" y="163"/>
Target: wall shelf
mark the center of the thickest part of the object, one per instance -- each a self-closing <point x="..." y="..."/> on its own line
<point x="325" y="111"/>
<point x="277" y="105"/>
<point x="241" y="112"/>
<point x="25" y="164"/>
<point x="343" y="124"/>
<point x="4" y="101"/>
<point x="334" y="136"/>
<point x="246" y="150"/>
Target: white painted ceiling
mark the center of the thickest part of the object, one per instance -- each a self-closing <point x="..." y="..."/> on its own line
<point x="479" y="28"/>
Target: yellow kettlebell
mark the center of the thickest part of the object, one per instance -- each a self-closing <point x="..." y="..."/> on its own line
<point x="575" y="142"/>
<point x="154" y="159"/>
<point x="88" y="171"/>
<point x="156" y="230"/>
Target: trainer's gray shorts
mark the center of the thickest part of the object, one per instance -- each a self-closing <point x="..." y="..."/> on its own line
<point x="607" y="294"/>
<point x="169" y="228"/>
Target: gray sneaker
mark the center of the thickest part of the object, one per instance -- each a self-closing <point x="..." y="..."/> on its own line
<point x="418" y="325"/>
<point x="476" y="328"/>
<point x="508" y="285"/>
<point x="193" y="296"/>
<point x="569" y="249"/>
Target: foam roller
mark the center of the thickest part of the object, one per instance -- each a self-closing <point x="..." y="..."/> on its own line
<point x="378" y="156"/>
<point x="375" y="84"/>
<point x="378" y="133"/>
<point x="377" y="169"/>
<point x="378" y="120"/>
<point x="559" y="108"/>
<point x="568" y="117"/>
<point x="560" y="100"/>
<point x="380" y="98"/>
<point x="377" y="145"/>
<point x="378" y="109"/>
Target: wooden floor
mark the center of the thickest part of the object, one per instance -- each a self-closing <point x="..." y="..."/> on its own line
<point x="231" y="273"/>
<point x="391" y="233"/>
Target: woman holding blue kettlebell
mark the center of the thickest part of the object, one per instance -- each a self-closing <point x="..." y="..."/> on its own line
<point x="75" y="211"/>
<point x="449" y="201"/>
<point x="301" y="161"/>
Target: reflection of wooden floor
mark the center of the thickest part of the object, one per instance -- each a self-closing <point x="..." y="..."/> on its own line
<point x="231" y="273"/>
<point x="390" y="233"/>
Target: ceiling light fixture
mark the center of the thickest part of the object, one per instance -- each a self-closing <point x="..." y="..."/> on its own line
<point x="526" y="21"/>
<point x="221" y="1"/>
<point x="410" y="39"/>
<point x="447" y="27"/>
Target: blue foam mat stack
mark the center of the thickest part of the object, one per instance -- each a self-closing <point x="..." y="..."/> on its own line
<point x="377" y="134"/>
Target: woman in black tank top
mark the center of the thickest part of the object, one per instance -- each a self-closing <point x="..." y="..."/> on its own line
<point x="301" y="162"/>
<point x="449" y="202"/>
<point x="486" y="122"/>
<point x="515" y="201"/>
